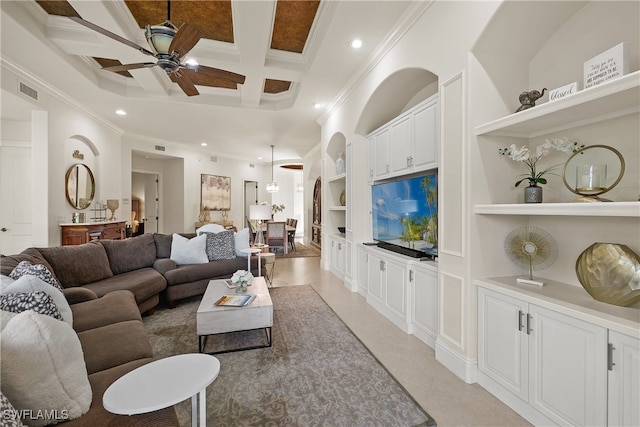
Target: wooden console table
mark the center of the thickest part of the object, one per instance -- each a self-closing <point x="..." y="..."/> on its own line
<point x="79" y="233"/>
<point x="225" y="224"/>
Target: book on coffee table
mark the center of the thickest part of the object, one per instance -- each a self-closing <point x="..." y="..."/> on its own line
<point x="235" y="300"/>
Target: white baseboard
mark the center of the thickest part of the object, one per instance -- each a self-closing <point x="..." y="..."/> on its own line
<point x="465" y="369"/>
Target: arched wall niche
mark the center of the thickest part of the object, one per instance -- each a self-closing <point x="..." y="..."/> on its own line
<point x="337" y="144"/>
<point x="397" y="93"/>
<point x="80" y="149"/>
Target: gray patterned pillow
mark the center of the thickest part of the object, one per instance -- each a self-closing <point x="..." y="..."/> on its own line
<point x="220" y="245"/>
<point x="10" y="417"/>
<point x="25" y="268"/>
<point x="38" y="301"/>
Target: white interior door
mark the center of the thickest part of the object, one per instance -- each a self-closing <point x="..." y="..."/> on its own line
<point x="15" y="199"/>
<point x="151" y="203"/>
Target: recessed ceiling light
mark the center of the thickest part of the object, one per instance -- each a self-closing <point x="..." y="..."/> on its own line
<point x="121" y="112"/>
<point x="204" y="144"/>
<point x="318" y="105"/>
<point x="355" y="43"/>
<point x="191" y="62"/>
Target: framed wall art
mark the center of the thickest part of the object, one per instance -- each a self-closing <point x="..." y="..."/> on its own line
<point x="215" y="192"/>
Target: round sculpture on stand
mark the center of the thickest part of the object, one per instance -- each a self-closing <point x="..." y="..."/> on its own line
<point x="610" y="273"/>
<point x="531" y="248"/>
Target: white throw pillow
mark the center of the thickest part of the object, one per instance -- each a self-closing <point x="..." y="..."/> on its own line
<point x="5" y="317"/>
<point x="33" y="284"/>
<point x="210" y="228"/>
<point x="189" y="251"/>
<point x="5" y="281"/>
<point x="242" y="242"/>
<point x="43" y="368"/>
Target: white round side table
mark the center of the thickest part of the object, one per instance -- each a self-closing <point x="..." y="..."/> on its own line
<point x="250" y="251"/>
<point x="163" y="383"/>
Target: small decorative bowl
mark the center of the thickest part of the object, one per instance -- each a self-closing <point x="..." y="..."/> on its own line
<point x="341" y="230"/>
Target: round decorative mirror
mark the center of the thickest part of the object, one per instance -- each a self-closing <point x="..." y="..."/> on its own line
<point x="80" y="186"/>
<point x="593" y="171"/>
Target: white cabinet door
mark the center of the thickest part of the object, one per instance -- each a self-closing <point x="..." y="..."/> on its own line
<point x="395" y="277"/>
<point x="401" y="142"/>
<point x="624" y="380"/>
<point x="374" y="274"/>
<point x="424" y="310"/>
<point x="381" y="157"/>
<point x="567" y="368"/>
<point x="425" y="137"/>
<point x="502" y="341"/>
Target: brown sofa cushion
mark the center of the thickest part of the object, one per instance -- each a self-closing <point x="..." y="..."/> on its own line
<point x="100" y="417"/>
<point x="163" y="244"/>
<point x="144" y="283"/>
<point x="215" y="269"/>
<point x="78" y="265"/>
<point x="130" y="254"/>
<point x="118" y="306"/>
<point x="132" y="344"/>
<point x="9" y="262"/>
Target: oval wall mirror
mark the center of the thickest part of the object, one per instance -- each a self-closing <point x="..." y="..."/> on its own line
<point x="80" y="186"/>
<point x="593" y="171"/>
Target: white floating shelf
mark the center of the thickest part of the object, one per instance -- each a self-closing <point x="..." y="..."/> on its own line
<point x="337" y="208"/>
<point x="615" y="98"/>
<point x="622" y="209"/>
<point x="340" y="177"/>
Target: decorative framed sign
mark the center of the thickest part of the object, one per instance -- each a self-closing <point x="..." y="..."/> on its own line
<point x="610" y="64"/>
<point x="215" y="192"/>
<point x="563" y="91"/>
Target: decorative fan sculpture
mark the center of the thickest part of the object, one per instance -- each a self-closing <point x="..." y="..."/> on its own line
<point x="532" y="248"/>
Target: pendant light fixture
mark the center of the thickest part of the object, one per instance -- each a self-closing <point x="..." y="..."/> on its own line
<point x="272" y="187"/>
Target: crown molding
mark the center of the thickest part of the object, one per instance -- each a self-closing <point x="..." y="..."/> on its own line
<point x="47" y="87"/>
<point x="408" y="20"/>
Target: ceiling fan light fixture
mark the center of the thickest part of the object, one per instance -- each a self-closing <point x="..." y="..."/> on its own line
<point x="272" y="187"/>
<point x="160" y="37"/>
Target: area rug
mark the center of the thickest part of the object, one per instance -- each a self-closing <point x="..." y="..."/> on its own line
<point x="302" y="251"/>
<point x="317" y="373"/>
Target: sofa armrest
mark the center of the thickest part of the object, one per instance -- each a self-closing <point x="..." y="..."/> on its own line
<point x="78" y="294"/>
<point x="163" y="265"/>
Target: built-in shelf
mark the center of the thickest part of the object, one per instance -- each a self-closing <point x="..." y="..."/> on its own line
<point x="337" y="208"/>
<point x="623" y="209"/>
<point x="340" y="177"/>
<point x="615" y="98"/>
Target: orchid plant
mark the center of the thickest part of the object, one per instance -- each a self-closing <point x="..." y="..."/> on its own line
<point x="530" y="158"/>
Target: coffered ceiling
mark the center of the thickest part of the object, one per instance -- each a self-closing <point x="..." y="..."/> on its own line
<point x="292" y="54"/>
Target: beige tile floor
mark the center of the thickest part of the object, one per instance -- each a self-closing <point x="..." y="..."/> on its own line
<point x="443" y="395"/>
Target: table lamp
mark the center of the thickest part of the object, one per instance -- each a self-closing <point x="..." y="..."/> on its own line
<point x="259" y="213"/>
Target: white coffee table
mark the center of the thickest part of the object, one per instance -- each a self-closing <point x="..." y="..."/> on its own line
<point x="163" y="383"/>
<point x="212" y="319"/>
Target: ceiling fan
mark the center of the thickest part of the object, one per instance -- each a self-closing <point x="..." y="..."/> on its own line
<point x="169" y="45"/>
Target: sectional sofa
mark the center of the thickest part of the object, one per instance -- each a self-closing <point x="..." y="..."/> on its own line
<point x="102" y="288"/>
<point x="144" y="265"/>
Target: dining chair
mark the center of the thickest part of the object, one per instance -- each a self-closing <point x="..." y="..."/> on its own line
<point x="277" y="235"/>
<point x="291" y="234"/>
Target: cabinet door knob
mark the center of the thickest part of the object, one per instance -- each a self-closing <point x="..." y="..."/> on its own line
<point x="4" y="229"/>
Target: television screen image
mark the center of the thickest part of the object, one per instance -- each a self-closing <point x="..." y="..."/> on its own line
<point x="405" y="213"/>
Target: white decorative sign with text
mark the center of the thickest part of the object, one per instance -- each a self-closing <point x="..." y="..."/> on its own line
<point x="563" y="91"/>
<point x="610" y="64"/>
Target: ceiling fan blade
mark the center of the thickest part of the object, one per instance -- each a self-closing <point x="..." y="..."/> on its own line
<point x="185" y="39"/>
<point x="111" y="35"/>
<point x="217" y="73"/>
<point x="126" y="67"/>
<point x="185" y="83"/>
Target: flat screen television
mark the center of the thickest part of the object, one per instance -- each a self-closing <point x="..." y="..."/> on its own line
<point x="405" y="215"/>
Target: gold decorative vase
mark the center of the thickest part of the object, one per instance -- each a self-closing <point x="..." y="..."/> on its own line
<point x="610" y="273"/>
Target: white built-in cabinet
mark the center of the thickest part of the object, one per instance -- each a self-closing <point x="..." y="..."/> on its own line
<point x="554" y="360"/>
<point x="406" y="144"/>
<point x="403" y="289"/>
<point x="338" y="254"/>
